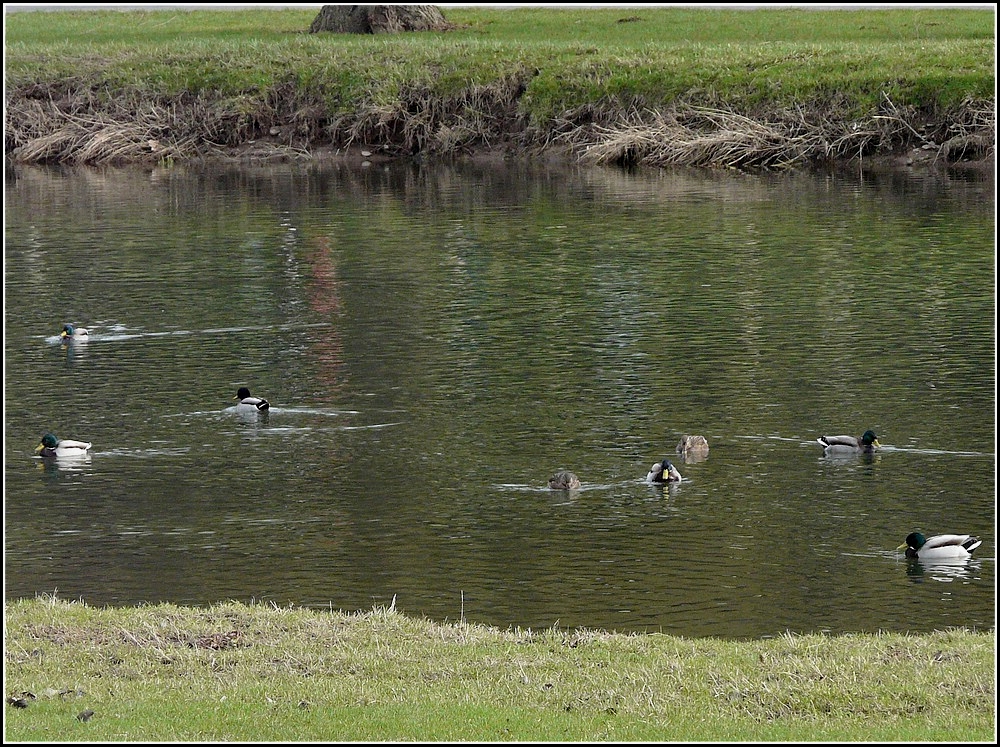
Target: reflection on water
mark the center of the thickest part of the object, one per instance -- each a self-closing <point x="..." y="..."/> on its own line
<point x="944" y="570"/>
<point x="64" y="464"/>
<point x="436" y="342"/>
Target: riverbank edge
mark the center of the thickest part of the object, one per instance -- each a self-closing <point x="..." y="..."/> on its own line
<point x="48" y="123"/>
<point x="258" y="671"/>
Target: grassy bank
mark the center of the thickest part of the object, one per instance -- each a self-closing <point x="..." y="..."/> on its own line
<point x="762" y="88"/>
<point x="234" y="672"/>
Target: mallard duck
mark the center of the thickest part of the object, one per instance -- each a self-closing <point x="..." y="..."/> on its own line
<point x="939" y="546"/>
<point x="69" y="332"/>
<point x="848" y="444"/>
<point x="51" y="447"/>
<point x="247" y="401"/>
<point x="692" y="445"/>
<point x="564" y="481"/>
<point x="663" y="471"/>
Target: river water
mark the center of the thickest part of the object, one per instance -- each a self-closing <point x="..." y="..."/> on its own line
<point x="436" y="340"/>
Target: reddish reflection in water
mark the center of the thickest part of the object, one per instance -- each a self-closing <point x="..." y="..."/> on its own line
<point x="324" y="294"/>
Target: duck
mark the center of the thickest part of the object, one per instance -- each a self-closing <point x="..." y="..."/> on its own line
<point x="940" y="546"/>
<point x="52" y="447"/>
<point x="247" y="401"/>
<point x="69" y="332"/>
<point x="692" y="445"/>
<point x="849" y="444"/>
<point x="663" y="471"/>
<point x="564" y="480"/>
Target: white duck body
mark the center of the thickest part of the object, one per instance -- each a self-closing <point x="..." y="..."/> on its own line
<point x="940" y="546"/>
<point x="248" y="403"/>
<point x="65" y="448"/>
<point x="69" y="332"/>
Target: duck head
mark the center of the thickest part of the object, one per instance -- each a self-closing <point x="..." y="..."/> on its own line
<point x="49" y="441"/>
<point x="242" y="393"/>
<point x="868" y="438"/>
<point x="914" y="541"/>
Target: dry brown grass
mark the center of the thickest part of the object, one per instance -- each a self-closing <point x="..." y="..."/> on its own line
<point x="67" y="124"/>
<point x="718" y="137"/>
<point x="480" y="116"/>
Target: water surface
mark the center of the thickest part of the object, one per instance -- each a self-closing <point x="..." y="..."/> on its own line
<point x="435" y="341"/>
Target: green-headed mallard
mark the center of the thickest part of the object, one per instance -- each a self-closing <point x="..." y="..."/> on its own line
<point x="663" y="471"/>
<point x="850" y="444"/>
<point x="69" y="332"/>
<point x="246" y="401"/>
<point x="564" y="480"/>
<point x="52" y="447"/>
<point x="940" y="546"/>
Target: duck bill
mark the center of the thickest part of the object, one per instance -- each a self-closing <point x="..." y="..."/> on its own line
<point x="876" y="444"/>
<point x="901" y="547"/>
<point x="39" y="448"/>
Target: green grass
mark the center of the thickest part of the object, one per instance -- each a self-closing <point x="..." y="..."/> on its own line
<point x="753" y="89"/>
<point x="605" y="27"/>
<point x="749" y="58"/>
<point x="235" y="672"/>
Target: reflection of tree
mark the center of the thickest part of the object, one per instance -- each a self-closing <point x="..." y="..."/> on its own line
<point x="324" y="297"/>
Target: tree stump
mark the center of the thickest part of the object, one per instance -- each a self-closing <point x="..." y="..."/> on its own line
<point x="378" y="19"/>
